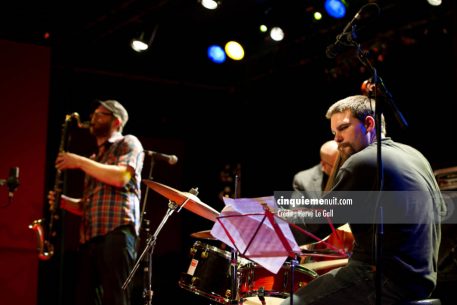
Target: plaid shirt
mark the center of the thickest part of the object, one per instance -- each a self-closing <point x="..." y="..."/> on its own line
<point x="106" y="207"/>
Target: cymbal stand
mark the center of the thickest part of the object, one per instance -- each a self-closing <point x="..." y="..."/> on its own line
<point x="150" y="244"/>
<point x="147" y="290"/>
<point x="193" y="191"/>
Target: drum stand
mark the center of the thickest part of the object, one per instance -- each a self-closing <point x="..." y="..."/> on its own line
<point x="293" y="264"/>
<point x="150" y="244"/>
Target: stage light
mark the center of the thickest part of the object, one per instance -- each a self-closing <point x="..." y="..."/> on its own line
<point x="216" y="54"/>
<point x="317" y="16"/>
<point x="234" y="50"/>
<point x="434" y="2"/>
<point x="138" y="45"/>
<point x="144" y="41"/>
<point x="210" y="4"/>
<point x="335" y="8"/>
<point x="277" y="34"/>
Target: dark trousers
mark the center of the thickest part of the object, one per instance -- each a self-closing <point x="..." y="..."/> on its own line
<point x="105" y="263"/>
<point x="349" y="285"/>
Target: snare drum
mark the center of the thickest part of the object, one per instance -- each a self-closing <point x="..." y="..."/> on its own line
<point x="254" y="278"/>
<point x="208" y="273"/>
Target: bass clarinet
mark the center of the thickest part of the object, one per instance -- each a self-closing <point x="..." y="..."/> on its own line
<point x="45" y="238"/>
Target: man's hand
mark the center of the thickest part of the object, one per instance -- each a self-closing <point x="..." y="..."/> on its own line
<point x="66" y="160"/>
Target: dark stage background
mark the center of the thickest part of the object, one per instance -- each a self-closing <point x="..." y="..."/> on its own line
<point x="264" y="117"/>
<point x="271" y="128"/>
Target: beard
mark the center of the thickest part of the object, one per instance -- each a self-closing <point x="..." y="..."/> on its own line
<point x="101" y="130"/>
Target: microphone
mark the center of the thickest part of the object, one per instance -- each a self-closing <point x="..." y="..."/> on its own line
<point x="346" y="38"/>
<point x="13" y="181"/>
<point x="171" y="159"/>
<point x="343" y="41"/>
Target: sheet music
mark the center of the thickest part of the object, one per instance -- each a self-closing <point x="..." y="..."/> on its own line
<point x="243" y="225"/>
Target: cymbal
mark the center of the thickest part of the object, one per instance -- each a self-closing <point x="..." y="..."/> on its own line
<point x="203" y="235"/>
<point x="192" y="202"/>
<point x="345" y="228"/>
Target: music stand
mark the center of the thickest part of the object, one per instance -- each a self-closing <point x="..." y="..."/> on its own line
<point x="250" y="226"/>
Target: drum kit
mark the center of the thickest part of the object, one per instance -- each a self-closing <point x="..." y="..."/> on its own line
<point x="210" y="270"/>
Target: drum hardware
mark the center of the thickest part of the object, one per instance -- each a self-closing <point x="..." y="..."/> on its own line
<point x="184" y="199"/>
<point x="181" y="200"/>
<point x="232" y="285"/>
<point x="255" y="280"/>
<point x="255" y="285"/>
<point x="209" y="273"/>
<point x="204" y="254"/>
<point x="264" y="227"/>
<point x="206" y="259"/>
<point x="206" y="234"/>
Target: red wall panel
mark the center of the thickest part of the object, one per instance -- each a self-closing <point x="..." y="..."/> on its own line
<point x="24" y="95"/>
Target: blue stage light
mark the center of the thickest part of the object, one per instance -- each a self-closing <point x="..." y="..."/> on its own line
<point x="335" y="8"/>
<point x="216" y="54"/>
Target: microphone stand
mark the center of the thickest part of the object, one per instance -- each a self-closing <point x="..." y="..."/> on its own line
<point x="147" y="270"/>
<point x="146" y="193"/>
<point x="385" y="98"/>
<point x="2" y="183"/>
<point x="234" y="255"/>
<point x="12" y="182"/>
